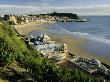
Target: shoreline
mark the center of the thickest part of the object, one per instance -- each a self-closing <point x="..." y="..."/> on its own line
<point x="73" y="43"/>
<point x="74" y="46"/>
<point x="26" y="28"/>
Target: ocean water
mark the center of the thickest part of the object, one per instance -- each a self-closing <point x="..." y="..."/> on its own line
<point x="96" y="31"/>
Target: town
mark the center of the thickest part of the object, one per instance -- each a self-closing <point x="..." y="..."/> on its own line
<point x="53" y="17"/>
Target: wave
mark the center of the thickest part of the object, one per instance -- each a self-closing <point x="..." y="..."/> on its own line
<point x="86" y="35"/>
<point x="93" y="37"/>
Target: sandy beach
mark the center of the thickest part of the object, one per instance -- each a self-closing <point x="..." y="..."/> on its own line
<point x="72" y="42"/>
<point x="74" y="47"/>
<point x="26" y="28"/>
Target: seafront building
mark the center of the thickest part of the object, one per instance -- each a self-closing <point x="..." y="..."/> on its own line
<point x="59" y="52"/>
<point x="92" y="66"/>
<point x="48" y="48"/>
<point x="10" y="18"/>
<point x="42" y="18"/>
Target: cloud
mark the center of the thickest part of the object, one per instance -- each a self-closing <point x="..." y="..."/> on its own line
<point x="13" y="9"/>
<point x="87" y="10"/>
<point x="47" y="0"/>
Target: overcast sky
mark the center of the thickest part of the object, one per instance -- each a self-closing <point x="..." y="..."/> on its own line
<point x="80" y="7"/>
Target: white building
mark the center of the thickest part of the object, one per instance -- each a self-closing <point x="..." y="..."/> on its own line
<point x="49" y="48"/>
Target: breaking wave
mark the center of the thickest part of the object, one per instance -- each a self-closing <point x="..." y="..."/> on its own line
<point x="87" y="36"/>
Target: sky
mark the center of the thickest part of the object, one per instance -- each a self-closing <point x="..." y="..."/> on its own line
<point x="80" y="7"/>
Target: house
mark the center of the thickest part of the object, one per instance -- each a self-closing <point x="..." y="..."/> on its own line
<point x="11" y="18"/>
<point x="96" y="62"/>
<point x="92" y="66"/>
<point x="48" y="48"/>
<point x="64" y="48"/>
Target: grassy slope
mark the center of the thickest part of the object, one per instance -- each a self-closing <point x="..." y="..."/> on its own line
<point x="13" y="52"/>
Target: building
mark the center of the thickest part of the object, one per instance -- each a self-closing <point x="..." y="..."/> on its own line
<point x="46" y="39"/>
<point x="64" y="48"/>
<point x="92" y="66"/>
<point x="48" y="48"/>
<point x="11" y="18"/>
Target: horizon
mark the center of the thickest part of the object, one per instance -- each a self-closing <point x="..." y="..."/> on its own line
<point x="85" y="7"/>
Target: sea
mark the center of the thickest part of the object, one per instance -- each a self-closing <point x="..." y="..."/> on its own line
<point x="96" y="31"/>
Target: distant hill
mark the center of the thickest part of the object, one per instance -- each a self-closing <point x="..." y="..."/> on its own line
<point x="70" y="15"/>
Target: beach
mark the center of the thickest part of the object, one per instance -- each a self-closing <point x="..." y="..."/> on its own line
<point x="74" y="44"/>
<point x="26" y="28"/>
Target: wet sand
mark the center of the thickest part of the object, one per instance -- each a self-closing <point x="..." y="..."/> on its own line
<point x="74" y="44"/>
<point x="74" y="47"/>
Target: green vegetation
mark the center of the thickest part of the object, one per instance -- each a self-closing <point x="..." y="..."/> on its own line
<point x="11" y="23"/>
<point x="20" y="62"/>
<point x="19" y="20"/>
<point x="70" y="15"/>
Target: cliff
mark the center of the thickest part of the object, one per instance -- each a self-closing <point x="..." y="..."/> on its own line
<point x="19" y="62"/>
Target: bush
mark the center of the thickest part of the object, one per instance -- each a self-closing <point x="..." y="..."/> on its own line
<point x="6" y="52"/>
<point x="11" y="23"/>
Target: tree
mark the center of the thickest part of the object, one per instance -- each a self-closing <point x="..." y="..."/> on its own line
<point x="11" y="23"/>
<point x="19" y="20"/>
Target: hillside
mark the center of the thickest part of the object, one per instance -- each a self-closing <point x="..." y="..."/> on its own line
<point x="69" y="15"/>
<point x="19" y="62"/>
